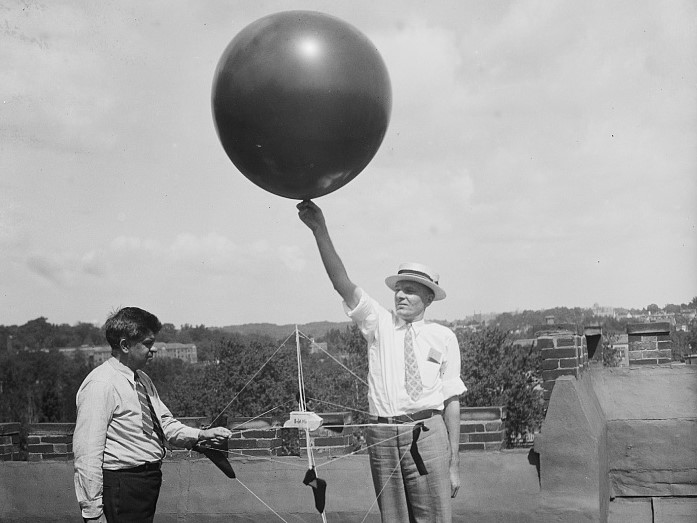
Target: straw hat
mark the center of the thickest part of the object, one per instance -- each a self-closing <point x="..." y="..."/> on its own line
<point x="418" y="273"/>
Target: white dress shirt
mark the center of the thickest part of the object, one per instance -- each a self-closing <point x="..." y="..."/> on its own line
<point x="437" y="354"/>
<point x="109" y="430"/>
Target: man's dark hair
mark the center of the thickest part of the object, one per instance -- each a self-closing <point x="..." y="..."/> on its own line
<point x="130" y="323"/>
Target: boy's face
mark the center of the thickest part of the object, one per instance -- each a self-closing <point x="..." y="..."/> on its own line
<point x="140" y="352"/>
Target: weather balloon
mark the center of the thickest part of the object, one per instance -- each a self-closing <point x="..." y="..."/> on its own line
<point x="301" y="102"/>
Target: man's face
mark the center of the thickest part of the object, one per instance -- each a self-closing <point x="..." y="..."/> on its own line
<point x="411" y="299"/>
<point x="141" y="352"/>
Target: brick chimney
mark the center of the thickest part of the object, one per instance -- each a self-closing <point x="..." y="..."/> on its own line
<point x="649" y="343"/>
<point x="563" y="351"/>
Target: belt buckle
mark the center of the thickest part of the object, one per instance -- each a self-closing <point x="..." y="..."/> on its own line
<point x="421" y="415"/>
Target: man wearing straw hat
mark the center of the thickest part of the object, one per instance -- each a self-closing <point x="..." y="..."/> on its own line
<point x="414" y="386"/>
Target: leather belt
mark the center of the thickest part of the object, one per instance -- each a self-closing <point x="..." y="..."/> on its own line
<point x="407" y="418"/>
<point x="145" y="467"/>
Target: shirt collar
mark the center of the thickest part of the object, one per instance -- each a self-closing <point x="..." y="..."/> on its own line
<point x="415" y="325"/>
<point x="122" y="369"/>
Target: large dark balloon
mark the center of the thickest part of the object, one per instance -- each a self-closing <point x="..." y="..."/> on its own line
<point x="301" y="102"/>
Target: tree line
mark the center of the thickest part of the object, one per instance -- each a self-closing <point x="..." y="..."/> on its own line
<point x="40" y="334"/>
<point x="253" y="375"/>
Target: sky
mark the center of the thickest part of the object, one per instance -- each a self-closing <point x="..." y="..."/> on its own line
<point x="539" y="154"/>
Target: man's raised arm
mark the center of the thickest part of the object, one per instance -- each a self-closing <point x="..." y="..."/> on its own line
<point x="312" y="216"/>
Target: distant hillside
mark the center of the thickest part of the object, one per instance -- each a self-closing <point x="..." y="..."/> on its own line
<point x="317" y="329"/>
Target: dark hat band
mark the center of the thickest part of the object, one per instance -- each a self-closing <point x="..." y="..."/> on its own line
<point x="417" y="273"/>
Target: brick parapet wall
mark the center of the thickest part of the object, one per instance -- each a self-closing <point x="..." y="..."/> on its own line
<point x="50" y="441"/>
<point x="9" y="441"/>
<point x="482" y="428"/>
<point x="649" y="343"/>
<point x="266" y="436"/>
<point x="261" y="442"/>
<point x="563" y="354"/>
<point x="261" y="437"/>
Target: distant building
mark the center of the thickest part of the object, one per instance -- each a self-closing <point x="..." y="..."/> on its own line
<point x="184" y="351"/>
<point x="316" y="348"/>
<point x="667" y="317"/>
<point x="99" y="354"/>
<point x="605" y="312"/>
<point x="467" y="327"/>
<point x="689" y="314"/>
<point x="479" y="317"/>
<point x="622" y="314"/>
<point x="94" y="355"/>
<point x="323" y="348"/>
<point x="551" y="327"/>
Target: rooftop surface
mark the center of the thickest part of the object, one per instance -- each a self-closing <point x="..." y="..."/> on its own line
<point x="496" y="487"/>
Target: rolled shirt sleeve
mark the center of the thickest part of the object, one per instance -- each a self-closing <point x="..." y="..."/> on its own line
<point x="365" y="315"/>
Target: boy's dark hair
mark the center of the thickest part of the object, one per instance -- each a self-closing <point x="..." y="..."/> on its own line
<point x="130" y="323"/>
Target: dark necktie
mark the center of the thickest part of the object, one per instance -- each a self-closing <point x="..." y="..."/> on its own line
<point x="412" y="377"/>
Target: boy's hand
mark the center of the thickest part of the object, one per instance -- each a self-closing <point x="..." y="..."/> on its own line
<point x="215" y="435"/>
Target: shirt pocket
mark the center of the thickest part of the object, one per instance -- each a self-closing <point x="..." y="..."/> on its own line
<point x="430" y="368"/>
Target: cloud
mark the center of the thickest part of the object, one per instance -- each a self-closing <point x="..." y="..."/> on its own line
<point x="47" y="268"/>
<point x="527" y="138"/>
<point x="92" y="263"/>
<point x="64" y="269"/>
<point x="210" y="254"/>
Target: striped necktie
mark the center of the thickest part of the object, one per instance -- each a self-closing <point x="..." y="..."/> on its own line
<point x="412" y="377"/>
<point x="150" y="422"/>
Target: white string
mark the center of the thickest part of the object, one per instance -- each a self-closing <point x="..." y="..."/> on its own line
<point x="253" y="457"/>
<point x="399" y="463"/>
<point x="256" y="457"/>
<point x="337" y="458"/>
<point x="261" y="500"/>
<point x="311" y="459"/>
<point x="341" y="406"/>
<point x="237" y="427"/>
<point x="337" y="361"/>
<point x="302" y="406"/>
<point x="301" y="379"/>
<point x="251" y="379"/>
